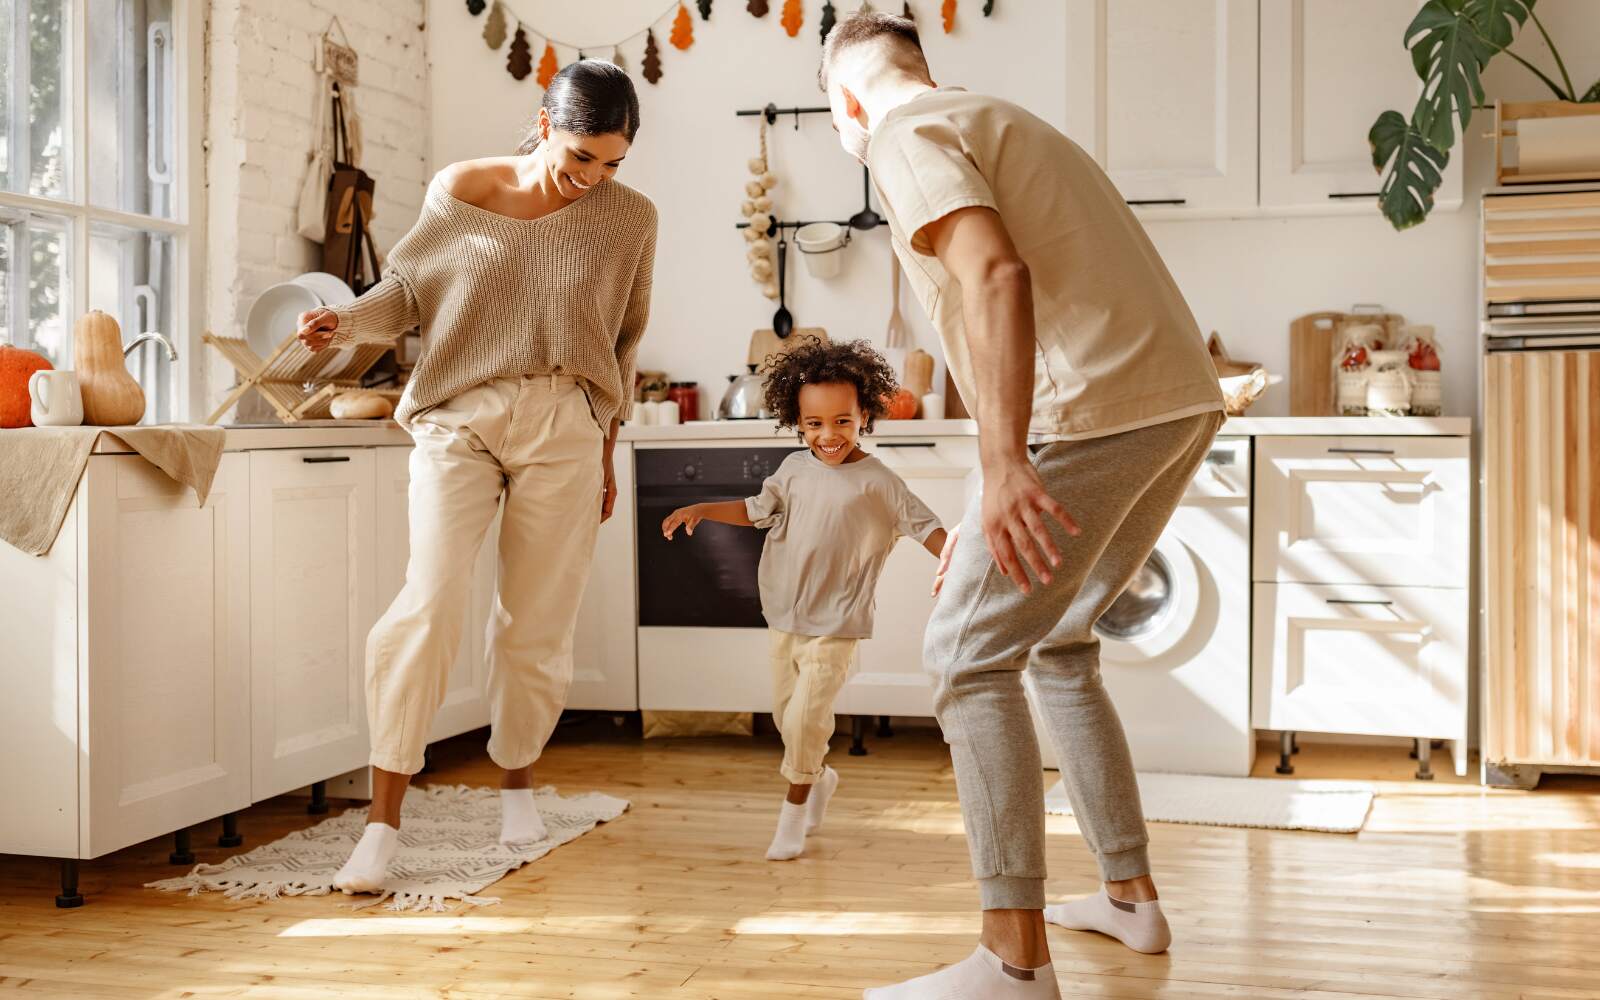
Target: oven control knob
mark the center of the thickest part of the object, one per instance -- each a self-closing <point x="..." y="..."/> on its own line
<point x="691" y="471"/>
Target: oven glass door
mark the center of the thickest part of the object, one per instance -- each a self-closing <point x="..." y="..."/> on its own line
<point x="707" y="580"/>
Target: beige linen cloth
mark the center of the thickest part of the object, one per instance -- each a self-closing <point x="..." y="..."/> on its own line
<point x="40" y="468"/>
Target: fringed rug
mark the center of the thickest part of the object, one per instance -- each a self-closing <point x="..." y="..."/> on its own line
<point x="1263" y="803"/>
<point x="449" y="850"/>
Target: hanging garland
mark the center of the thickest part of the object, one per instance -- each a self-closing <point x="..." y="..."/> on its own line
<point x="949" y="12"/>
<point x="548" y="67"/>
<point x="652" y="58"/>
<point x="793" y="17"/>
<point x="828" y="20"/>
<point x="705" y="8"/>
<point x="682" y="30"/>
<point x="494" y="29"/>
<point x="757" y="8"/>
<point x="475" y="7"/>
<point x="520" y="62"/>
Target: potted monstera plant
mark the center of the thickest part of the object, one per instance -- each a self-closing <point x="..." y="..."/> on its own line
<point x="1451" y="41"/>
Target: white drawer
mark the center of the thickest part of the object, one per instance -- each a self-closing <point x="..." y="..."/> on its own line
<point x="1390" y="511"/>
<point x="1379" y="661"/>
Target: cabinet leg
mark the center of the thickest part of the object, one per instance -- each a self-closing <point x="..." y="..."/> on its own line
<point x="883" y="727"/>
<point x="181" y="853"/>
<point x="1294" y="743"/>
<point x="230" y="831"/>
<point x="1424" y="752"/>
<point x="858" y="733"/>
<point x="319" y="798"/>
<point x="1286" y="750"/>
<point x="70" y="897"/>
<point x="1412" y="753"/>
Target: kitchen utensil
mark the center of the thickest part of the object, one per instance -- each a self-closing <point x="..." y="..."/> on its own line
<point x="56" y="399"/>
<point x="275" y="315"/>
<point x="932" y="406"/>
<point x="919" y="372"/>
<point x="822" y="244"/>
<point x="866" y="218"/>
<point x="744" y="398"/>
<point x="782" y="320"/>
<point x="765" y="343"/>
<point x="894" y="335"/>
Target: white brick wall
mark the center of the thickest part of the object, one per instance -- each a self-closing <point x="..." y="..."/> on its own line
<point x="260" y="102"/>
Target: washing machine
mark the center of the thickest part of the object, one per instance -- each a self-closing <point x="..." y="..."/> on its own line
<point x="1175" y="647"/>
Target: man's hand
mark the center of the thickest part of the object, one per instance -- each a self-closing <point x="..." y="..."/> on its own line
<point x="1015" y="506"/>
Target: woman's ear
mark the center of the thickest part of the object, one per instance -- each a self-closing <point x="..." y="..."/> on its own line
<point x="544" y="125"/>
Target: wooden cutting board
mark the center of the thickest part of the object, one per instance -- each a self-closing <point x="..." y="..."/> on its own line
<point x="766" y="342"/>
<point x="1313" y="339"/>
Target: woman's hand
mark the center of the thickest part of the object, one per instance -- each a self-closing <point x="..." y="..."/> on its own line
<point x="316" y="328"/>
<point x="944" y="559"/>
<point x="608" y="495"/>
<point x="1015" y="505"/>
<point x="684" y="517"/>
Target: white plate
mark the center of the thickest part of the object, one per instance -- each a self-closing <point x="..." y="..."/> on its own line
<point x="330" y="288"/>
<point x="275" y="315"/>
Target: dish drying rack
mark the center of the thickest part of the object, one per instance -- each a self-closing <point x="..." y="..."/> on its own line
<point x="299" y="385"/>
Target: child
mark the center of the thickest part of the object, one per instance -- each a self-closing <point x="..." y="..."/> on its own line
<point x="834" y="513"/>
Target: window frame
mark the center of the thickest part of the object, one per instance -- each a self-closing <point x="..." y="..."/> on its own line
<point x="186" y="227"/>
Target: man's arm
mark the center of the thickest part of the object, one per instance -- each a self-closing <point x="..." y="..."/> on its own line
<point x="997" y="309"/>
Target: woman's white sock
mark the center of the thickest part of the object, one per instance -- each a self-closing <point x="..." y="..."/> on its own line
<point x="979" y="976"/>
<point x="519" y="817"/>
<point x="1140" y="926"/>
<point x="790" y="839"/>
<point x="369" y="862"/>
<point x="821" y="792"/>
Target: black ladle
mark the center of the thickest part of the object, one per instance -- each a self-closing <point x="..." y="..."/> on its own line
<point x="782" y="320"/>
<point x="866" y="218"/>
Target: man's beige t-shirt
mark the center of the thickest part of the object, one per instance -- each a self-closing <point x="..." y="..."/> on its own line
<point x="1118" y="348"/>
<point x="832" y="528"/>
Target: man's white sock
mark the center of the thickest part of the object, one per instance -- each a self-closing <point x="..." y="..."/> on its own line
<point x="369" y="862"/>
<point x="1140" y="926"/>
<point x="821" y="792"/>
<point x="519" y="817"/>
<point x="979" y="976"/>
<point x="790" y="839"/>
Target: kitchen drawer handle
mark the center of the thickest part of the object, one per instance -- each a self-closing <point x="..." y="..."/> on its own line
<point x="324" y="459"/>
<point x="1351" y="600"/>
<point x="1353" y="194"/>
<point x="906" y="444"/>
<point x="1361" y="451"/>
<point x="1158" y="201"/>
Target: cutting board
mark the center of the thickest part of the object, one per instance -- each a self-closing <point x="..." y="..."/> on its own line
<point x="1313" y="339"/>
<point x="766" y="342"/>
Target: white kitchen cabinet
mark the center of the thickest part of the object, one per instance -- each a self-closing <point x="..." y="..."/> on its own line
<point x="313" y="573"/>
<point x="130" y="718"/>
<point x="1391" y="511"/>
<point x="1377" y="661"/>
<point x="1328" y="69"/>
<point x="1162" y="93"/>
<point x="605" y="640"/>
<point x="889" y="679"/>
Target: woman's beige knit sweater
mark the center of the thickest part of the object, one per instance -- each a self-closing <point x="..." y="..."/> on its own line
<point x="498" y="297"/>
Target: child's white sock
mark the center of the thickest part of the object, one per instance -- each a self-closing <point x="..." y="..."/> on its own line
<point x="979" y="976"/>
<point x="369" y="862"/>
<point x="519" y="817"/>
<point x="790" y="839"/>
<point x="821" y="792"/>
<point x="1140" y="926"/>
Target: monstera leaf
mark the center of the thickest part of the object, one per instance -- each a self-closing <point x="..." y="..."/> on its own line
<point x="1498" y="21"/>
<point x="1449" y="54"/>
<point x="1592" y="95"/>
<point x="1416" y="169"/>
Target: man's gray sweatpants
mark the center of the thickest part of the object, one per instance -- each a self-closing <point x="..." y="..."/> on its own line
<point x="1121" y="490"/>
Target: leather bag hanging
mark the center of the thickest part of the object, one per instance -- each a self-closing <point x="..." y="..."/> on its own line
<point x="347" y="248"/>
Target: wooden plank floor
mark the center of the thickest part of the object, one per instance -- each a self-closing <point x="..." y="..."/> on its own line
<point x="1452" y="892"/>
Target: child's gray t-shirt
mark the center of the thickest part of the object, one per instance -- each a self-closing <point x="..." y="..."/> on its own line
<point x="832" y="528"/>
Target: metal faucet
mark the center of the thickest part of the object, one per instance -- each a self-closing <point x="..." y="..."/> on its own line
<point x="172" y="352"/>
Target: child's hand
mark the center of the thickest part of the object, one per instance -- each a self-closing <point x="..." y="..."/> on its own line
<point x="685" y="517"/>
<point x="944" y="559"/>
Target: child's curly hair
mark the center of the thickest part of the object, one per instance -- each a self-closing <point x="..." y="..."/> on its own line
<point x="853" y="363"/>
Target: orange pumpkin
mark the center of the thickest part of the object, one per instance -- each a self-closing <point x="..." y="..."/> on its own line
<point x="902" y="405"/>
<point x="16" y="365"/>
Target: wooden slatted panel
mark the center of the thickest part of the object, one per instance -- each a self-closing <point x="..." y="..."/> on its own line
<point x="1541" y="247"/>
<point x="1542" y="470"/>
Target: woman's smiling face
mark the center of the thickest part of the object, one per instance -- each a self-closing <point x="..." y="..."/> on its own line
<point x="577" y="163"/>
<point x="830" y="420"/>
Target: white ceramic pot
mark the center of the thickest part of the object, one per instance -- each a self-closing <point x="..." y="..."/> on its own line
<point x="56" y="397"/>
<point x="822" y="246"/>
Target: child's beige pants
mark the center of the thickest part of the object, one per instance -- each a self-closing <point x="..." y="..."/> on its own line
<point x="535" y="441"/>
<point x="807" y="673"/>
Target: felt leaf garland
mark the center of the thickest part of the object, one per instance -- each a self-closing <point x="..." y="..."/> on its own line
<point x="988" y="7"/>
<point x="949" y="12"/>
<point x="520" y="62"/>
<point x="616" y="58"/>
<point x="475" y="7"/>
<point x="907" y="13"/>
<point x="793" y="17"/>
<point x="682" y="30"/>
<point x="548" y="66"/>
<point x="827" y="20"/>
<point x="494" y="29"/>
<point x="652" y="58"/>
<point x="757" y="8"/>
<point x="705" y="8"/>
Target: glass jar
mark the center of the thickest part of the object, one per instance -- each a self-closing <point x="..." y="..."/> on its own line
<point x="687" y="396"/>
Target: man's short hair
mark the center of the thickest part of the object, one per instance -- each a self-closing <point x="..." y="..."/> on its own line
<point x="869" y="26"/>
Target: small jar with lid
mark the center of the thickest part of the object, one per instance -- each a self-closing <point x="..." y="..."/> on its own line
<point x="687" y="396"/>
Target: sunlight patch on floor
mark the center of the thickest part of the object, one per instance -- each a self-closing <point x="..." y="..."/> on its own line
<point x="814" y="923"/>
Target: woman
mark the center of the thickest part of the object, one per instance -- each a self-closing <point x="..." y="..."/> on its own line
<point x="529" y="276"/>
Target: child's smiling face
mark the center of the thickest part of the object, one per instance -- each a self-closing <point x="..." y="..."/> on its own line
<point x="830" y="420"/>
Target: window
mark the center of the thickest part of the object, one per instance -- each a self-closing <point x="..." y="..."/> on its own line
<point x="98" y="164"/>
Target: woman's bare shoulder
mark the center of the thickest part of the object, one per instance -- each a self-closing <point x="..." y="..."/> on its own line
<point x="478" y="181"/>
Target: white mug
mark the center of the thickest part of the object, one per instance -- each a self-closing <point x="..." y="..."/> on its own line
<point x="57" y="399"/>
<point x="669" y="412"/>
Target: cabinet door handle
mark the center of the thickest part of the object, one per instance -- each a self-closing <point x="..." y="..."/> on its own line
<point x="324" y="459"/>
<point x="906" y="444"/>
<point x="1353" y="194"/>
<point x="1158" y="201"/>
<point x="1361" y="451"/>
<point x="1351" y="600"/>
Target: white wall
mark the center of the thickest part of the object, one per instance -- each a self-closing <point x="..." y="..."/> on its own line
<point x="260" y="100"/>
<point x="1245" y="278"/>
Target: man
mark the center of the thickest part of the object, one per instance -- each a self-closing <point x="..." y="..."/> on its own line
<point x="1096" y="403"/>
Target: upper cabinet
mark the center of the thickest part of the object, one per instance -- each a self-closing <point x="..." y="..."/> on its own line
<point x="1163" y="94"/>
<point x="1328" y="69"/>
<point x="1230" y="108"/>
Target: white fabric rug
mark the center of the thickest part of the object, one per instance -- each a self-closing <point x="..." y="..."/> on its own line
<point x="449" y="850"/>
<point x="1265" y="803"/>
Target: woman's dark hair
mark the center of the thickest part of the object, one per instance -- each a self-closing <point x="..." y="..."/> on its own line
<point x="588" y="97"/>
<point x="852" y="363"/>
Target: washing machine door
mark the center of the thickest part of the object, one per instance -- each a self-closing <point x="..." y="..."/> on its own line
<point x="1157" y="609"/>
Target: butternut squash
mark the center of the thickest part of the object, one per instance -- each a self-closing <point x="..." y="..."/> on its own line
<point x="111" y="396"/>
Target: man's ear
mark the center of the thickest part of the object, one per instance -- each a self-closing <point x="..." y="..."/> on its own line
<point x="852" y="107"/>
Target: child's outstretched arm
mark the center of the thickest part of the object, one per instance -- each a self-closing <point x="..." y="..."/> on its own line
<point x="726" y="512"/>
<point x="935" y="542"/>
